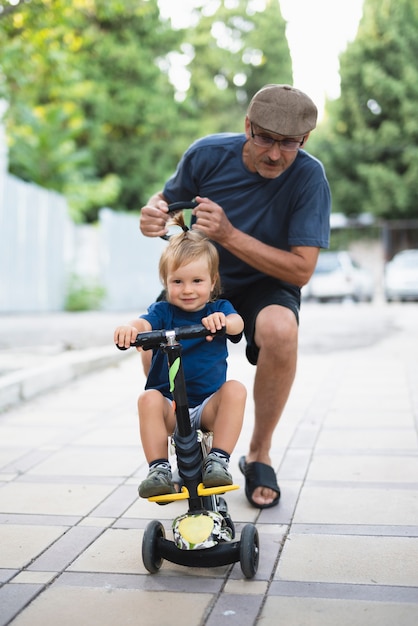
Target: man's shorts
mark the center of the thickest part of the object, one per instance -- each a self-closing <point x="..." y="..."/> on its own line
<point x="251" y="300"/>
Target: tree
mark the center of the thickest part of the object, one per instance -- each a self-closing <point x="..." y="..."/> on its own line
<point x="369" y="143"/>
<point x="90" y="112"/>
<point x="236" y="50"/>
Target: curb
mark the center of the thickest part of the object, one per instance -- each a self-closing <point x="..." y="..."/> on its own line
<point x="26" y="384"/>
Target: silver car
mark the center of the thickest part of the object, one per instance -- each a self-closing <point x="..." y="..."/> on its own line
<point x="338" y="276"/>
<point x="401" y="277"/>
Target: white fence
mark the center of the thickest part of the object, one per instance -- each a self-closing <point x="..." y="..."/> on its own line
<point x="35" y="235"/>
<point x="128" y="262"/>
<point x="41" y="248"/>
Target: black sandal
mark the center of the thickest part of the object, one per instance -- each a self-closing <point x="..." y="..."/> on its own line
<point x="259" y="475"/>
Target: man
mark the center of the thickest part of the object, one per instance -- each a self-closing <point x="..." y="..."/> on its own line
<point x="265" y="203"/>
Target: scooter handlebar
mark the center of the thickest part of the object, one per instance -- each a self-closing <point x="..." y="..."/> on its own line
<point x="156" y="338"/>
<point x="183" y="204"/>
<point x="175" y="207"/>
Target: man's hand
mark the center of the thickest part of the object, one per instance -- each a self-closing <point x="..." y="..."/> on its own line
<point x="211" y="220"/>
<point x="154" y="217"/>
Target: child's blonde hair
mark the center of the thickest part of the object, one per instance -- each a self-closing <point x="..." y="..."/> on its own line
<point x="188" y="246"/>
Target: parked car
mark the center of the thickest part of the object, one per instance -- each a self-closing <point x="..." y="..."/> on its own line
<point x="400" y="280"/>
<point x="338" y="276"/>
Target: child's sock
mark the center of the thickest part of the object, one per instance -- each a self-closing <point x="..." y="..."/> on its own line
<point x="221" y="454"/>
<point x="161" y="464"/>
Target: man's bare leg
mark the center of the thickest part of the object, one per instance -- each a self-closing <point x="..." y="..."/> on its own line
<point x="277" y="337"/>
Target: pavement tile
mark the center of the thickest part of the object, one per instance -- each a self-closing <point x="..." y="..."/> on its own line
<point x="7" y="574"/>
<point x="63" y="552"/>
<point x="119" y="435"/>
<point x="368" y="530"/>
<point x="15" y="598"/>
<point x="11" y="436"/>
<point x="22" y="462"/>
<point x="40" y="578"/>
<point x="295" y="464"/>
<point x="103" y="607"/>
<point x="350" y="559"/>
<point x="180" y="581"/>
<point x="362" y="399"/>
<point x="367" y="439"/>
<point x="329" y="612"/>
<point x="47" y="498"/>
<point x="235" y="610"/>
<point x="367" y="468"/>
<point x="246" y="587"/>
<point x="115" y="551"/>
<point x="343" y="591"/>
<point x="352" y="505"/>
<point x="82" y="461"/>
<point x="372" y="417"/>
<point x="98" y="522"/>
<point x="22" y="544"/>
<point x="7" y="457"/>
<point x="117" y="502"/>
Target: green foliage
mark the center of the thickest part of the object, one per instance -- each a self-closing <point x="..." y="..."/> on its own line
<point x="369" y="143"/>
<point x="237" y="50"/>
<point x="89" y="107"/>
<point x="92" y="113"/>
<point x="84" y="294"/>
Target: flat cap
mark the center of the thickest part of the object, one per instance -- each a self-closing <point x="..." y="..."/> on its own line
<point x="283" y="110"/>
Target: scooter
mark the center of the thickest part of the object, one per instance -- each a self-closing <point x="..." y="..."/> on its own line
<point x="204" y="535"/>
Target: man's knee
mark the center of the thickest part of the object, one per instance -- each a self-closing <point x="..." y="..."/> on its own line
<point x="276" y="324"/>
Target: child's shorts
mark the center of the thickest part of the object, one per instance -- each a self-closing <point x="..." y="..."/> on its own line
<point x="196" y="414"/>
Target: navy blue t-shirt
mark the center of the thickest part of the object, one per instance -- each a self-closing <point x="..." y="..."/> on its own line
<point x="204" y="362"/>
<point x="290" y="210"/>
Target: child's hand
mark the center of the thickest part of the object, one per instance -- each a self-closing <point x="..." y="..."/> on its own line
<point x="213" y="322"/>
<point x="125" y="335"/>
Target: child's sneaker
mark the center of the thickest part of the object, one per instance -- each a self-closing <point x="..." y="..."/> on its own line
<point x="215" y="471"/>
<point x="158" y="483"/>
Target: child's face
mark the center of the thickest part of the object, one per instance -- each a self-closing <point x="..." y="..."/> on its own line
<point x="189" y="287"/>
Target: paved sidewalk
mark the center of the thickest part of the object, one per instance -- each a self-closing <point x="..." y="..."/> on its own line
<point x="43" y="351"/>
<point x="340" y="549"/>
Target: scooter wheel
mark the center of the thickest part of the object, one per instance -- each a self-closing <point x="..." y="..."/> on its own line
<point x="249" y="550"/>
<point x="150" y="556"/>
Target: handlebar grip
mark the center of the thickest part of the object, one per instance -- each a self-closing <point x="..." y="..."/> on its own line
<point x="182" y="204"/>
<point x="196" y="330"/>
<point x="175" y="207"/>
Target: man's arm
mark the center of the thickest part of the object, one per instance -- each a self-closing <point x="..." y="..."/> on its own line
<point x="295" y="266"/>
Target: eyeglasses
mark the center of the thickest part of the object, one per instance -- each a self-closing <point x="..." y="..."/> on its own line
<point x="287" y="145"/>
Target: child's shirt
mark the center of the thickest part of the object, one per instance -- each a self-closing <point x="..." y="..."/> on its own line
<point x="204" y="362"/>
